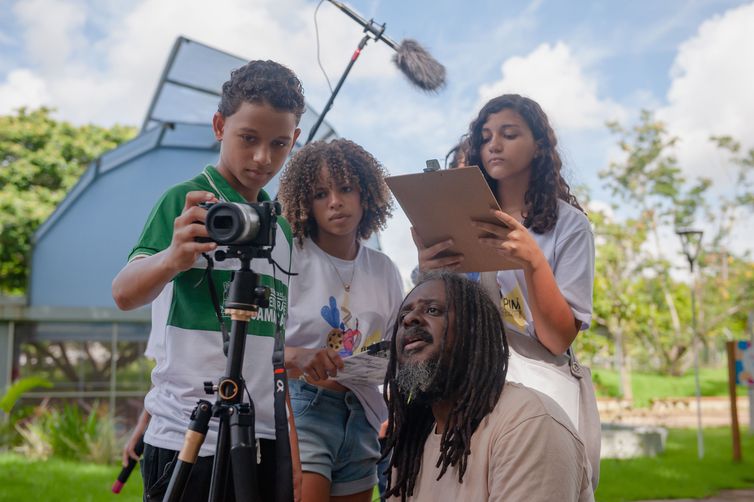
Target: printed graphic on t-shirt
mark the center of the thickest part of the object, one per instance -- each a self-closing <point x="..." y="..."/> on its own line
<point x="512" y="306"/>
<point x="344" y="335"/>
<point x="341" y="337"/>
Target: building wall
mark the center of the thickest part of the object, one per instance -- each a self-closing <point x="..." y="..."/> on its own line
<point x="75" y="260"/>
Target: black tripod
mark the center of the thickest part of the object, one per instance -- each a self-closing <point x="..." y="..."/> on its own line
<point x="236" y="442"/>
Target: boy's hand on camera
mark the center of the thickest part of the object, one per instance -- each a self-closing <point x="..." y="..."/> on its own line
<point x="428" y="259"/>
<point x="511" y="240"/>
<point x="184" y="250"/>
<point x="318" y="364"/>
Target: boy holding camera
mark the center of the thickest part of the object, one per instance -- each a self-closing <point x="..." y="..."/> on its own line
<point x="257" y="125"/>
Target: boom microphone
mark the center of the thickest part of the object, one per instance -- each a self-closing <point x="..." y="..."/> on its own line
<point x="126" y="471"/>
<point x="412" y="59"/>
<point x="419" y="66"/>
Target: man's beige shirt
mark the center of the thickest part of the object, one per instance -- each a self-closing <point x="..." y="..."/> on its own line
<point x="525" y="450"/>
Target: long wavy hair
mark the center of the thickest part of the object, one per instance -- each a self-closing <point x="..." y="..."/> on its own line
<point x="473" y="364"/>
<point x="546" y="184"/>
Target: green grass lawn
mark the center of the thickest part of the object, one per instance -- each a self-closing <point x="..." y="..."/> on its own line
<point x="678" y="473"/>
<point x="64" y="481"/>
<point x="647" y="386"/>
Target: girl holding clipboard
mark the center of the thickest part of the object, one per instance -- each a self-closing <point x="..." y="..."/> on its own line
<point x="541" y="227"/>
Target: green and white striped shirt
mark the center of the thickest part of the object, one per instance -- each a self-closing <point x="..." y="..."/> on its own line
<point x="186" y="341"/>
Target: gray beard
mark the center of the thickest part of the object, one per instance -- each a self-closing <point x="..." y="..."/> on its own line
<point x="417" y="378"/>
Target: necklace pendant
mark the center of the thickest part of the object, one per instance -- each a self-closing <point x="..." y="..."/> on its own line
<point x="347" y="287"/>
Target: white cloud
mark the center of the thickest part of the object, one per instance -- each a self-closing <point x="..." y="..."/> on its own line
<point x="711" y="91"/>
<point x="22" y="88"/>
<point x="52" y="31"/>
<point x="112" y="78"/>
<point x="711" y="94"/>
<point x="555" y="78"/>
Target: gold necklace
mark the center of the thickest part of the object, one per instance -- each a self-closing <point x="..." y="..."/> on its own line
<point x="346" y="286"/>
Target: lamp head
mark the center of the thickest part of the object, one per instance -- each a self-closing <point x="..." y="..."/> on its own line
<point x="691" y="240"/>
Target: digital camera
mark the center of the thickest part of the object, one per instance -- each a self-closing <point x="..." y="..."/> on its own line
<point x="242" y="224"/>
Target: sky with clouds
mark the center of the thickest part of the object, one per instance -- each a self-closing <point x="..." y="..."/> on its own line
<point x="585" y="62"/>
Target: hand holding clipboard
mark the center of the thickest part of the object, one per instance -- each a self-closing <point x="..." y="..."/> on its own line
<point x="512" y="240"/>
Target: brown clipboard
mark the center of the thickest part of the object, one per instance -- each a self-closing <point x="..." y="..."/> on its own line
<point x="441" y="205"/>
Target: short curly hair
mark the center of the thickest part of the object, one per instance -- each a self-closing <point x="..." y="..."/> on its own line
<point x="263" y="82"/>
<point x="347" y="162"/>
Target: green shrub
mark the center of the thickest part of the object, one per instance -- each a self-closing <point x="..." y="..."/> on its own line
<point x="70" y="433"/>
<point x="36" y="443"/>
<point x="15" y="415"/>
<point x="18" y="389"/>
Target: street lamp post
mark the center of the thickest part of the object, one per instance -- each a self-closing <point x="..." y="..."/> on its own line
<point x="691" y="239"/>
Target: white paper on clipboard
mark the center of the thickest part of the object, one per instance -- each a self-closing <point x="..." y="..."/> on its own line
<point x="364" y="368"/>
<point x="442" y="205"/>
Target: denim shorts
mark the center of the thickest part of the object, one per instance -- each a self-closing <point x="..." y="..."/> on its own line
<point x="335" y="438"/>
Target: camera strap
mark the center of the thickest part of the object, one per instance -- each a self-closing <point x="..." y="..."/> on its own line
<point x="283" y="458"/>
<point x="286" y="272"/>
<point x="215" y="300"/>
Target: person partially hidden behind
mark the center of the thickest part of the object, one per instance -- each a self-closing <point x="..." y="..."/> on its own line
<point x="457" y="430"/>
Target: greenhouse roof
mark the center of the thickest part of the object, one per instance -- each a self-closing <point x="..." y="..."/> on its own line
<point x="190" y="86"/>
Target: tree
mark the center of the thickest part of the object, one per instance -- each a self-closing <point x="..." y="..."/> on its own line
<point x="657" y="199"/>
<point x="617" y="290"/>
<point x="726" y="277"/>
<point x="40" y="160"/>
<point x="650" y="182"/>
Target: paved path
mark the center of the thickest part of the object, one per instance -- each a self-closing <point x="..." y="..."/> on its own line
<point x="723" y="496"/>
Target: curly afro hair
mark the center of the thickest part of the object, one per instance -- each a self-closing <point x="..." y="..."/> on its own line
<point x="263" y="82"/>
<point x="547" y="184"/>
<point x="347" y="162"/>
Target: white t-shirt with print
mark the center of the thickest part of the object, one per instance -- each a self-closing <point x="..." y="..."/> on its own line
<point x="569" y="249"/>
<point x="320" y="314"/>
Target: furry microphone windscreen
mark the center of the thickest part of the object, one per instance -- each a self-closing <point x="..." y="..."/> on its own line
<point x="416" y="63"/>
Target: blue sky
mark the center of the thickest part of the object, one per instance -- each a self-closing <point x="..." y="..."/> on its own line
<point x="586" y="62"/>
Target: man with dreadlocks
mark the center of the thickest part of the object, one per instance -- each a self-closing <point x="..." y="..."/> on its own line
<point x="456" y="429"/>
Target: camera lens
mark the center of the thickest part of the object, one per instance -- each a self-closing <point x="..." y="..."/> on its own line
<point x="232" y="223"/>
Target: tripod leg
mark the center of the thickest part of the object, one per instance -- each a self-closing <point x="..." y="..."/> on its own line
<point x="220" y="473"/>
<point x="243" y="454"/>
<point x="197" y="431"/>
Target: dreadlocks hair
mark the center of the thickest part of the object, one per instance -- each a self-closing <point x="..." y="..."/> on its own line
<point x="347" y="162"/>
<point x="546" y="185"/>
<point x="473" y="365"/>
<point x="263" y="82"/>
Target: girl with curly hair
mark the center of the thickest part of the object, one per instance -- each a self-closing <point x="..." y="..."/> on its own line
<point x="342" y="300"/>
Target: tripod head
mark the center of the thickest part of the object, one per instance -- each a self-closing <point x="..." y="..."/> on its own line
<point x="245" y="295"/>
<point x="244" y="253"/>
